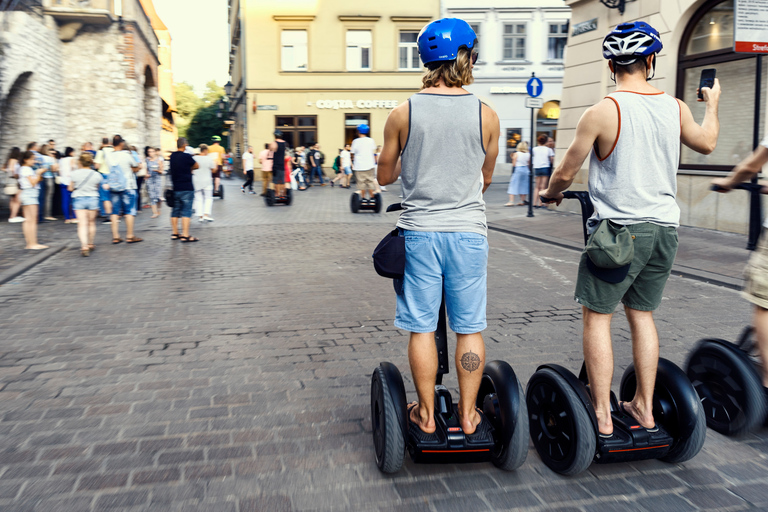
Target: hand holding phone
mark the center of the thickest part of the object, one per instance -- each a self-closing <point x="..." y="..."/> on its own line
<point x="707" y="80"/>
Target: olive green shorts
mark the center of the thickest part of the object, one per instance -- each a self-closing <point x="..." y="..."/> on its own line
<point x="756" y="275"/>
<point x="642" y="289"/>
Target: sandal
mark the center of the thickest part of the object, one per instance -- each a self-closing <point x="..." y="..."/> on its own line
<point x="189" y="239"/>
<point x="84" y="252"/>
<point x="91" y="247"/>
<point x="117" y="240"/>
<point x="134" y="240"/>
<point x="175" y="236"/>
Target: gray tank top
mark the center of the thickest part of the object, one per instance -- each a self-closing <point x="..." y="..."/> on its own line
<point x="442" y="164"/>
<point x="637" y="181"/>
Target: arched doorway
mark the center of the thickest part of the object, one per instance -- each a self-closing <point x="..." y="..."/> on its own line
<point x="17" y="118"/>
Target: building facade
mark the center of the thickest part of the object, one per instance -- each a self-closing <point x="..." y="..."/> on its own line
<point x="316" y="70"/>
<point x="517" y="39"/>
<point x="696" y="34"/>
<point x="77" y="71"/>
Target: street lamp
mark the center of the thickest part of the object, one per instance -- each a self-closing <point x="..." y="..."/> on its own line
<point x="228" y="89"/>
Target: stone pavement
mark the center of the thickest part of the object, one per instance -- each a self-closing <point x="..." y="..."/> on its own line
<point x="234" y="374"/>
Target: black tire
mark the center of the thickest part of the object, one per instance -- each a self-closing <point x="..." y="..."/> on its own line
<point x="388" y="437"/>
<point x="731" y="392"/>
<point x="269" y="199"/>
<point x="676" y="407"/>
<point x="355" y="202"/>
<point x="377" y="202"/>
<point x="288" y="196"/>
<point x="560" y="427"/>
<point x="221" y="191"/>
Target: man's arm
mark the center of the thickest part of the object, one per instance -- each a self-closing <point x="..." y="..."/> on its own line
<point x="702" y="138"/>
<point x="745" y="170"/>
<point x="491" y="133"/>
<point x="389" y="158"/>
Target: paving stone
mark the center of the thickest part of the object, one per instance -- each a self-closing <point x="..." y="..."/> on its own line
<point x="279" y="503"/>
<point x="713" y="499"/>
<point x="666" y="503"/>
<point x="755" y="494"/>
<point x="512" y="500"/>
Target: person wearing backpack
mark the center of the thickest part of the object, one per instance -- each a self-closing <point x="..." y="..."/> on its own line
<point x="121" y="180"/>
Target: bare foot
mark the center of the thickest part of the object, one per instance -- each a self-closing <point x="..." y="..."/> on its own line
<point x="604" y="423"/>
<point x="36" y="247"/>
<point x="426" y="425"/>
<point x="645" y="420"/>
<point x="469" y="424"/>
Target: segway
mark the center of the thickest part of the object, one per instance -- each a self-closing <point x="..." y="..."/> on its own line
<point x="727" y="378"/>
<point x="358" y="203"/>
<point x="564" y="426"/>
<point x="500" y="398"/>
<point x="271" y="199"/>
<point x="219" y="192"/>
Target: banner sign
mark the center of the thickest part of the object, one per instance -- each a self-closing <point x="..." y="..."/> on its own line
<point x="750" y="31"/>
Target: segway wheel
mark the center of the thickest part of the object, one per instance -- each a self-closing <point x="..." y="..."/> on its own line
<point x="676" y="407"/>
<point x="221" y="191"/>
<point x="560" y="426"/>
<point x="377" y="202"/>
<point x="288" y="196"/>
<point x="388" y="437"/>
<point x="502" y="400"/>
<point x="730" y="390"/>
<point x="270" y="197"/>
<point x="355" y="202"/>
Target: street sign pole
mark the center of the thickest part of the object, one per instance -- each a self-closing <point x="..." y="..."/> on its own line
<point x="534" y="88"/>
<point x="530" y="165"/>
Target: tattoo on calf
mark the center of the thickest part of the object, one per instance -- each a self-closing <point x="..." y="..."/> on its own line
<point x="470" y="361"/>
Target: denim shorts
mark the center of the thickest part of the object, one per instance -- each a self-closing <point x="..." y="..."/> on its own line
<point x="542" y="171"/>
<point x="104" y="194"/>
<point x="85" y="203"/>
<point x="347" y="170"/>
<point x="182" y="203"/>
<point x="437" y="261"/>
<point x="30" y="196"/>
<point x="123" y="202"/>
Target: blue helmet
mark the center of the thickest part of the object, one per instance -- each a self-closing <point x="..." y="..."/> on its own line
<point x="441" y="40"/>
<point x="629" y="42"/>
<point x="364" y="129"/>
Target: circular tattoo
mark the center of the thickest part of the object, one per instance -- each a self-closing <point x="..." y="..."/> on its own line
<point x="470" y="361"/>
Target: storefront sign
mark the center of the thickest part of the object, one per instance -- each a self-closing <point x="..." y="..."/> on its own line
<point x="584" y="27"/>
<point x="508" y="90"/>
<point x="362" y="104"/>
<point x="750" y="26"/>
<point x="266" y="107"/>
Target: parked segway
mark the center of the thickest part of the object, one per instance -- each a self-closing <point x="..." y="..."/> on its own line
<point x="219" y="192"/>
<point x="271" y="199"/>
<point x="564" y="426"/>
<point x="501" y="399"/>
<point x="358" y="202"/>
<point x="727" y="378"/>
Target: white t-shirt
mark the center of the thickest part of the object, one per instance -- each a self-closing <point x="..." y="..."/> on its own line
<point x="248" y="161"/>
<point x="126" y="162"/>
<point x="65" y="170"/>
<point x="87" y="182"/>
<point x="541" y="156"/>
<point x="24" y="174"/>
<point x="363" y="148"/>
<point x="202" y="177"/>
<point x="346" y="159"/>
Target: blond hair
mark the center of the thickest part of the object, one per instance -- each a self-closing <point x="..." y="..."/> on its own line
<point x="522" y="147"/>
<point x="86" y="160"/>
<point x="454" y="73"/>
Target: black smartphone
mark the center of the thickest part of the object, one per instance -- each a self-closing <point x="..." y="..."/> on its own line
<point x="707" y="79"/>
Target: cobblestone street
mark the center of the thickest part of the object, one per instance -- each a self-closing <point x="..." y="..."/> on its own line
<point x="233" y="374"/>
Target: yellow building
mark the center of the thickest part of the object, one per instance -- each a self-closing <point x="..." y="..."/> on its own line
<point x="316" y="69"/>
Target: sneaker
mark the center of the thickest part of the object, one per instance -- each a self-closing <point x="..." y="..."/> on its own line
<point x="253" y="193"/>
<point x="209" y="219"/>
<point x="106" y="221"/>
<point x="383" y="189"/>
<point x="16" y="219"/>
<point x="200" y="219"/>
<point x="242" y="190"/>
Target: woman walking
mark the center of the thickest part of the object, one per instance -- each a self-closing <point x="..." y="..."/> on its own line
<point x="84" y="186"/>
<point x="141" y="176"/>
<point x="518" y="185"/>
<point x="154" y="180"/>
<point x="48" y="164"/>
<point x="65" y="171"/>
<point x="543" y="158"/>
<point x="29" y="182"/>
<point x="12" y="166"/>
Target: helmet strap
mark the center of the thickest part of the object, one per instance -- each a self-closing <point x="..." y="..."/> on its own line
<point x="653" y="69"/>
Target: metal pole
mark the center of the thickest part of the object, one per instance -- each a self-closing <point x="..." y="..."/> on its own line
<point x="530" y="166"/>
<point x="755" y="213"/>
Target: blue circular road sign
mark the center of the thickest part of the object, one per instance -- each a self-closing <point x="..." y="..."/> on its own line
<point x="534" y="87"/>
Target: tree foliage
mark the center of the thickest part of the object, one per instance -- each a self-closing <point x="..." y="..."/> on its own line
<point x="198" y="120"/>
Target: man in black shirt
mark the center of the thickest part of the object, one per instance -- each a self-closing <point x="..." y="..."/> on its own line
<point x="278" y="164"/>
<point x="182" y="165"/>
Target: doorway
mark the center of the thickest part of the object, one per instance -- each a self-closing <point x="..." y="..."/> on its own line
<point x="351" y="122"/>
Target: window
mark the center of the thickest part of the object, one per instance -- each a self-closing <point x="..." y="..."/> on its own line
<point x="358" y="50"/>
<point x="476" y="28"/>
<point x="408" y="51"/>
<point x="708" y="43"/>
<point x="294" y="50"/>
<point x="351" y="122"/>
<point x="297" y="130"/>
<point x="514" y="41"/>
<point x="513" y="139"/>
<point x="558" y="38"/>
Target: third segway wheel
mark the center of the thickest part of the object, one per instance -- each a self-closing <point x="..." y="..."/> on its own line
<point x="560" y="427"/>
<point x="356" y="202"/>
<point x="270" y="197"/>
<point x="377" y="202"/>
<point x="676" y="407"/>
<point x="730" y="390"/>
<point x="502" y="400"/>
<point x="388" y="435"/>
<point x="288" y="196"/>
<point x="221" y="191"/>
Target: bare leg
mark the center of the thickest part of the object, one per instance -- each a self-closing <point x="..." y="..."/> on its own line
<point x="175" y="225"/>
<point x="29" y="227"/>
<point x="92" y="227"/>
<point x="115" y="224"/>
<point x="760" y="321"/>
<point x="82" y="227"/>
<point x="15" y="205"/>
<point x="155" y="211"/>
<point x="645" y="353"/>
<point x="422" y="354"/>
<point x="598" y="356"/>
<point x="129" y="221"/>
<point x="185" y="226"/>
<point x="470" y="361"/>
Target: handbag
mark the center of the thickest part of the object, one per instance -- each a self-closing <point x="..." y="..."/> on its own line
<point x="170" y="199"/>
<point x="11" y="187"/>
<point x="389" y="256"/>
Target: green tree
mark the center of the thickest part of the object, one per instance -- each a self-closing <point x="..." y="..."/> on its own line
<point x="187" y="104"/>
<point x="213" y="93"/>
<point x="205" y="125"/>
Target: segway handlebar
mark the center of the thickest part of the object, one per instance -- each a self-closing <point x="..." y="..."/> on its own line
<point x="587" y="209"/>
<point x="395" y="207"/>
<point x="751" y="187"/>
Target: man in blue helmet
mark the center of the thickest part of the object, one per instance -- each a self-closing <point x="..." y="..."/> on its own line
<point x="634" y="135"/>
<point x="363" y="161"/>
<point x="445" y="158"/>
